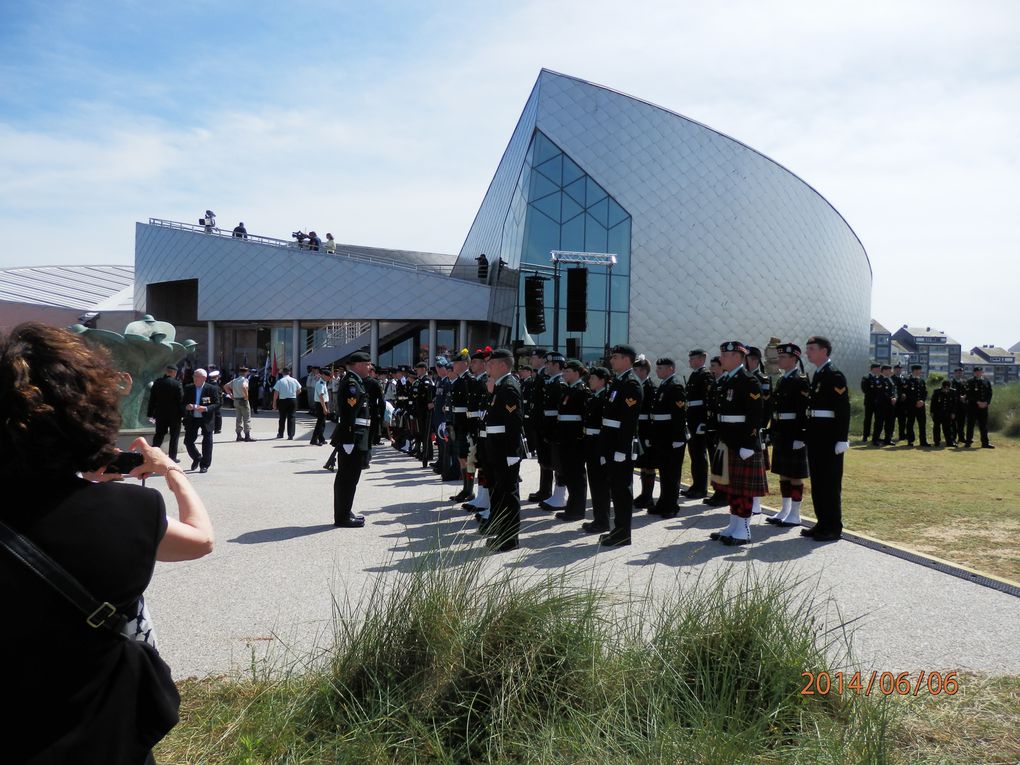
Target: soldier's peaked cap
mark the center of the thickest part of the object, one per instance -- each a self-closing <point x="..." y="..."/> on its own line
<point x="874" y="366"/>
<point x="733" y="345"/>
<point x="357" y="356"/>
<point x="885" y="367"/>
<point x="792" y="350"/>
<point x="502" y="353"/>
<point x="555" y="357"/>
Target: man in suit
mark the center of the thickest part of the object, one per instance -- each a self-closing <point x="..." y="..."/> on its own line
<point x="201" y="403"/>
<point x="166" y="401"/>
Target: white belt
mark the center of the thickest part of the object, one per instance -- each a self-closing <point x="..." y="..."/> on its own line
<point x="362" y="421"/>
<point x="550" y="412"/>
<point x="825" y="413"/>
<point x="473" y="415"/>
<point x="661" y="417"/>
<point x="569" y="418"/>
<point x="459" y="409"/>
<point x="696" y="402"/>
<point x="786" y="416"/>
<point x="496" y="429"/>
<point x="642" y="417"/>
<point x="732" y="418"/>
<point x="606" y="423"/>
<point x="592" y="431"/>
<point x="481" y="433"/>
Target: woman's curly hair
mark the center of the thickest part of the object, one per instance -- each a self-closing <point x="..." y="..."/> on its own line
<point x="59" y="404"/>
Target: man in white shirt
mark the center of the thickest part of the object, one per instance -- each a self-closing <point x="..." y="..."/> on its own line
<point x="237" y="389"/>
<point x="320" y="407"/>
<point x="285" y="394"/>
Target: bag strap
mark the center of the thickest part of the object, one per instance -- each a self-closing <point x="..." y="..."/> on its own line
<point x="97" y="614"/>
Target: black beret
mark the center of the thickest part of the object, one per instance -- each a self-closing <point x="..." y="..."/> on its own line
<point x="979" y="369"/>
<point x="461" y="355"/>
<point x="873" y="366"/>
<point x="526" y="368"/>
<point x="480" y="354"/>
<point x="733" y="345"/>
<point x="897" y="366"/>
<point x="885" y="367"/>
<point x="624" y="350"/>
<point x="790" y="349"/>
<point x="754" y="351"/>
<point x="601" y="372"/>
<point x="665" y="361"/>
<point x="915" y="366"/>
<point x="540" y="352"/>
<point x="358" y="356"/>
<point x="696" y="352"/>
<point x="715" y="360"/>
<point x="555" y="357"/>
<point x="501" y="353"/>
<point x="576" y="365"/>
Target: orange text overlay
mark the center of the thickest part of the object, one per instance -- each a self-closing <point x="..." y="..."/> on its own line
<point x="885" y="683"/>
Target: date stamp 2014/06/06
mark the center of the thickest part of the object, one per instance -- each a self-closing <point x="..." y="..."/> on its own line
<point x="885" y="683"/>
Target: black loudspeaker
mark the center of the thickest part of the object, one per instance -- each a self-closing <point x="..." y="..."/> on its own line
<point x="534" y="304"/>
<point x="577" y="300"/>
<point x="573" y="348"/>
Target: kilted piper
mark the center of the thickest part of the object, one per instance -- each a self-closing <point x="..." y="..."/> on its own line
<point x="789" y="420"/>
<point x="737" y="463"/>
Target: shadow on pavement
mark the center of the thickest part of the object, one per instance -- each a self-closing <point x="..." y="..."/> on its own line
<point x="279" y="534"/>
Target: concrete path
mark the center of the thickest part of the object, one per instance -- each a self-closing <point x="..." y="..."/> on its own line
<point x="268" y="588"/>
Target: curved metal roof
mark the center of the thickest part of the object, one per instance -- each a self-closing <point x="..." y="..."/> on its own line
<point x="81" y="287"/>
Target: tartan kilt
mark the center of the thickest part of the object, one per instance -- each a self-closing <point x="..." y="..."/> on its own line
<point x="789" y="462"/>
<point x="744" y="478"/>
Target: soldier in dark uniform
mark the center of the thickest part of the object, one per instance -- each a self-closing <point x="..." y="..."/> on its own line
<point x="885" y="407"/>
<point x="254" y="390"/>
<point x="526" y="377"/>
<point x="699" y="392"/>
<point x="423" y="395"/>
<point x="959" y="419"/>
<point x="916" y="391"/>
<point x="402" y="413"/>
<point x="619" y="432"/>
<point x="351" y="439"/>
<point x="645" y="462"/>
<point x="598" y="476"/>
<point x="504" y="422"/>
<point x="437" y="423"/>
<point x="669" y="436"/>
<point x="737" y="463"/>
<point x="828" y="434"/>
<point x="869" y="390"/>
<point x="789" y="442"/>
<point x="166" y="405"/>
<point x="900" y="381"/>
<point x="718" y="498"/>
<point x="979" y="397"/>
<point x="754" y="366"/>
<point x="943" y="406"/>
<point x="460" y="394"/>
<point x="570" y="441"/>
<point x="536" y="417"/>
<point x="548" y="431"/>
<point x="478" y="401"/>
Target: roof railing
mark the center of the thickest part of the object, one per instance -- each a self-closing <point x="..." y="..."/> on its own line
<point x="341" y="252"/>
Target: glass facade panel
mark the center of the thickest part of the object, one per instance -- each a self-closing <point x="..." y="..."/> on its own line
<point x="557" y="206"/>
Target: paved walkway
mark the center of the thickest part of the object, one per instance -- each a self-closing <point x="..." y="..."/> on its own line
<point x="279" y="562"/>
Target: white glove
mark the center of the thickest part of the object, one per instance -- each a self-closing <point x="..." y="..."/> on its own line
<point x="701" y="430"/>
<point x="348" y="448"/>
<point x="602" y="460"/>
<point x="152" y="420"/>
<point x="512" y="460"/>
<point x="745" y="453"/>
<point x="678" y="444"/>
<point x="842" y="446"/>
<point x="798" y="445"/>
<point x="619" y="456"/>
<point x="648" y="443"/>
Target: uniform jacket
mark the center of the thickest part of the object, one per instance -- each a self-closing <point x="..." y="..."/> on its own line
<point x="740" y="410"/>
<point x="766" y="394"/>
<point x="537" y="395"/>
<point x="166" y="399"/>
<point x="460" y="394"/>
<point x="620" y="414"/>
<point x="210" y="399"/>
<point x="478" y="401"/>
<point x="423" y="393"/>
<point x="915" y="390"/>
<point x="668" y="413"/>
<point x="376" y="402"/>
<point x="527" y="395"/>
<point x="943" y="403"/>
<point x="592" y="421"/>
<point x="570" y="420"/>
<point x="959" y="388"/>
<point x="644" y="419"/>
<point x="354" y="415"/>
<point x="441" y="402"/>
<point x="504" y="422"/>
<point x="699" y="391"/>
<point x="884" y="392"/>
<point x="789" y="405"/>
<point x="552" y="392"/>
<point x="829" y="393"/>
<point x="978" y="390"/>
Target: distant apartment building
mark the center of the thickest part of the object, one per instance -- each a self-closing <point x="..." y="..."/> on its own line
<point x="1000" y="365"/>
<point x="933" y="349"/>
<point x="881" y="340"/>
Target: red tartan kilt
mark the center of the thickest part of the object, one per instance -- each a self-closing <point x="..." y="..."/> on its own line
<point x="788" y="462"/>
<point x="747" y="477"/>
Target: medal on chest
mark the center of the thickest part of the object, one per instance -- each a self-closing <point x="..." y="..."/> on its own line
<point x="612" y="396"/>
<point x="729" y="394"/>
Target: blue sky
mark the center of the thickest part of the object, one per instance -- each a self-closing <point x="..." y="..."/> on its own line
<point x="383" y="122"/>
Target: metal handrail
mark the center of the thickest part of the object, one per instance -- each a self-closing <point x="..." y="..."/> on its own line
<point x="272" y="242"/>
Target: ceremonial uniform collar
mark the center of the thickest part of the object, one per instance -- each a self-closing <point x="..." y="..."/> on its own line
<point x="501" y="379"/>
<point x="575" y="384"/>
<point x="556" y="376"/>
<point x="791" y="373"/>
<point x="823" y="366"/>
<point x="733" y="372"/>
<point x="624" y="373"/>
<point x="671" y="378"/>
<point x="699" y="369"/>
<point x="354" y="374"/>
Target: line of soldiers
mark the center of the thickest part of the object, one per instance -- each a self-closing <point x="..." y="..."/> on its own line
<point x="590" y="428"/>
<point x="957" y="405"/>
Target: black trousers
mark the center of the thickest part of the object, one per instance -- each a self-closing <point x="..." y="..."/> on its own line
<point x="172" y="426"/>
<point x="574" y="476"/>
<point x="345" y="484"/>
<point x="192" y="427"/>
<point x="423" y="438"/>
<point x="943" y="424"/>
<point x="286" y="407"/>
<point x="901" y="420"/>
<point x="598" y="485"/>
<point x="869" y="409"/>
<point x="670" y="462"/>
<point x="918" y="416"/>
<point x="885" y="419"/>
<point x="319" y="431"/>
<point x="826" y="485"/>
<point x="697" y="447"/>
<point x="621" y="489"/>
<point x="504" y="501"/>
<point x="979" y="416"/>
<point x="545" y="463"/>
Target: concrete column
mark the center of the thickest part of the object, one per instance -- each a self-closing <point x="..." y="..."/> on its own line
<point x="210" y="342"/>
<point x="296" y="348"/>
<point x="433" y="339"/>
<point x="373" y="343"/>
<point x="462" y="338"/>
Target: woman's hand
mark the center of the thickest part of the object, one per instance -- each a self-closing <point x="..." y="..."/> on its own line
<point x="156" y="460"/>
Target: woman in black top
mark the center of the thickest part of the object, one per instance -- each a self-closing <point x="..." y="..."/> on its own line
<point x="69" y="685"/>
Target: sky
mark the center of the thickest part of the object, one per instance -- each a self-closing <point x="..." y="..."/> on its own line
<point x="384" y="122"/>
